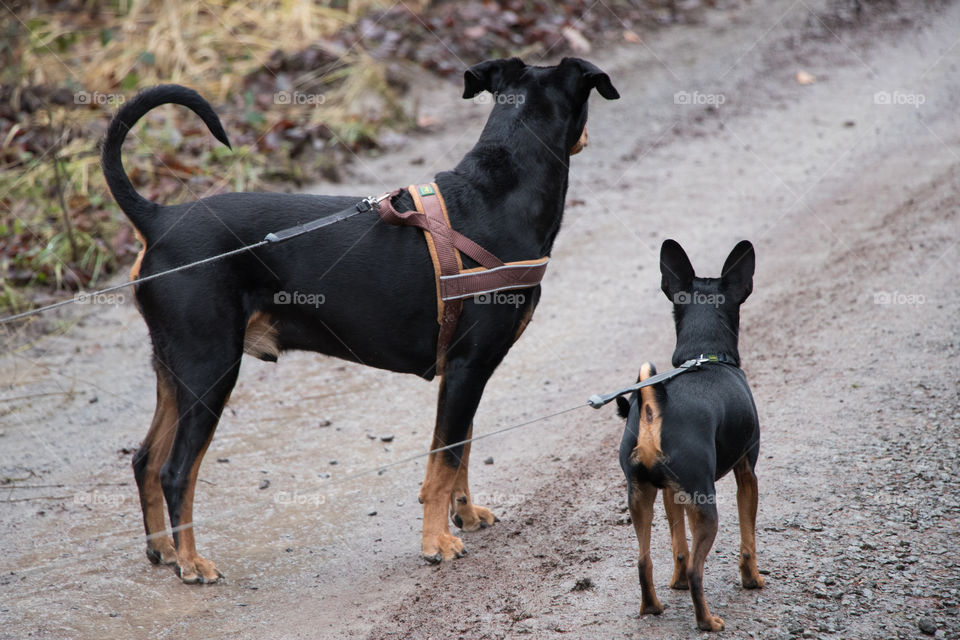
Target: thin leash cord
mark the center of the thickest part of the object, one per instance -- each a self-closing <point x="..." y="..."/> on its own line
<point x="183" y="267"/>
<point x="234" y="512"/>
<point x="378" y="470"/>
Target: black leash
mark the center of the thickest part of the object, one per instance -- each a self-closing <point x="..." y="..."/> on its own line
<point x="363" y="206"/>
<point x="597" y="401"/>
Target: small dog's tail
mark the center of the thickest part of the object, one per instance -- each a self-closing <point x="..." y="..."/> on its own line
<point x="647" y="452"/>
<point x="140" y="210"/>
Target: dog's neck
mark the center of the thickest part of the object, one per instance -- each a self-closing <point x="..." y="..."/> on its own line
<point x="519" y="167"/>
<point x="702" y="329"/>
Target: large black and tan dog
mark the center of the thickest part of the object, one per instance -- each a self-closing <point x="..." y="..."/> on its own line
<point x="376" y="281"/>
<point x="684" y="434"/>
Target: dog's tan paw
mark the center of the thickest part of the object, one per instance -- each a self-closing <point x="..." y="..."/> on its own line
<point x="651" y="608"/>
<point x="752" y="582"/>
<point x="712" y="623"/>
<point x="470" y="517"/>
<point x="162" y="551"/>
<point x="198" y="570"/>
<point x="442" y="547"/>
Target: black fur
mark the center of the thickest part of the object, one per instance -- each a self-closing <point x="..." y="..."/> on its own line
<point x="379" y="303"/>
<point x="709" y="421"/>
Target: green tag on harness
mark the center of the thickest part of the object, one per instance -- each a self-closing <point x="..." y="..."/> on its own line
<point x="427" y="190"/>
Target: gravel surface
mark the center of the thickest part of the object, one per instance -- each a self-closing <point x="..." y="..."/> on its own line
<point x="847" y="186"/>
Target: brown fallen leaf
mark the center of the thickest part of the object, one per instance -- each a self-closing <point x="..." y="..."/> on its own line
<point x="804" y="78"/>
<point x="576" y="40"/>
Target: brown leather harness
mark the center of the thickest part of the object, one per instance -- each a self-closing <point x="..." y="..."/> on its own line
<point x="454" y="283"/>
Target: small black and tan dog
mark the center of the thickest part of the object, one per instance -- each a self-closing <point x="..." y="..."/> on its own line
<point x="684" y="434"/>
<point x="376" y="283"/>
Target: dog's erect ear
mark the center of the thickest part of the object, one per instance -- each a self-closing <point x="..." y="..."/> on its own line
<point x="675" y="270"/>
<point x="592" y="77"/>
<point x="737" y="275"/>
<point x="623" y="407"/>
<point x="490" y="75"/>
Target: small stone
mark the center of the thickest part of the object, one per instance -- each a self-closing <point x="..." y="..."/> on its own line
<point x="488" y="460"/>
<point x="583" y="584"/>
<point x="387" y="438"/>
<point x="927" y="625"/>
<point x="324" y="423"/>
<point x="223" y="460"/>
<point x="372" y="512"/>
<point x="333" y="462"/>
<point x="289" y="549"/>
<point x="264" y="484"/>
<point x="371" y="436"/>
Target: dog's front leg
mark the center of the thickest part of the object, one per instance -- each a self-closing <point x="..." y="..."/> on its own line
<point x="460" y="393"/>
<point x="464" y="513"/>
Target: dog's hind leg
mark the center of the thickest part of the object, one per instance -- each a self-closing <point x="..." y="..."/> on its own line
<point x="146" y="470"/>
<point x="463" y="512"/>
<point x="747" y="499"/>
<point x="203" y="386"/>
<point x="641" y="497"/>
<point x="678" y="539"/>
<point x="704" y="524"/>
<point x="460" y="393"/>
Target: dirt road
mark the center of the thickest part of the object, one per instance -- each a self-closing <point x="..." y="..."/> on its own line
<point x="847" y="187"/>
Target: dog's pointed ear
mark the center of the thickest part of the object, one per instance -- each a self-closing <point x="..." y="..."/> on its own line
<point x="623" y="407"/>
<point x="737" y="274"/>
<point x="592" y="77"/>
<point x="490" y="75"/>
<point x="675" y="270"/>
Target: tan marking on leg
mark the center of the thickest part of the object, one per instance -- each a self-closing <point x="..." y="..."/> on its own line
<point x="192" y="567"/>
<point x="159" y="439"/>
<point x="747" y="499"/>
<point x="642" y="497"/>
<point x="435" y="495"/>
<point x="678" y="539"/>
<point x="260" y="339"/>
<point x="704" y="531"/>
<point x="471" y="517"/>
<point x="647" y="452"/>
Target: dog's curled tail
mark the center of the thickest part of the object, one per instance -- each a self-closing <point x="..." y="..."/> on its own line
<point x="647" y="452"/>
<point x="138" y="208"/>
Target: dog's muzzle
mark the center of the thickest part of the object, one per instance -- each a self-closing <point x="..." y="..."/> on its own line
<point x="581" y="143"/>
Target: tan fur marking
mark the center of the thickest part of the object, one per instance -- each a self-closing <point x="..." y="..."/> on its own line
<point x="193" y="568"/>
<point x="472" y="517"/>
<point x="647" y="452"/>
<point x="159" y="440"/>
<point x="260" y="338"/>
<point x="135" y="269"/>
<point x="527" y="317"/>
<point x="581" y="142"/>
